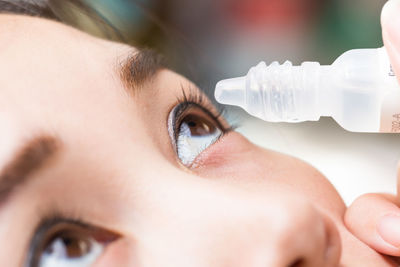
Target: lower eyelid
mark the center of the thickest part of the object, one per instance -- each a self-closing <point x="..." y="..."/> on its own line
<point x="231" y="144"/>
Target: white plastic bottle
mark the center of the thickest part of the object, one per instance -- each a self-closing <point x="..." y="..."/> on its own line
<point x="359" y="90"/>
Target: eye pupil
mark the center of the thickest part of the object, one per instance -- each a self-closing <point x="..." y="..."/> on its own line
<point x="192" y="124"/>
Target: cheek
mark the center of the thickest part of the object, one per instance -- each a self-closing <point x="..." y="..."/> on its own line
<point x="234" y="157"/>
<point x="235" y="160"/>
<point x="226" y="155"/>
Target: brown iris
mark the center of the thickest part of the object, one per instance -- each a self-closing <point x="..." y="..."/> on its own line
<point x="76" y="244"/>
<point x="198" y="123"/>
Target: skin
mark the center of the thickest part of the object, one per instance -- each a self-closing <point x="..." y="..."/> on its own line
<point x="239" y="205"/>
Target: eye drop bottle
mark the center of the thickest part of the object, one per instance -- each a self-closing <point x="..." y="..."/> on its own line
<point x="359" y="90"/>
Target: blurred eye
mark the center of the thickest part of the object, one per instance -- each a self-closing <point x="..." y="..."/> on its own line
<point x="195" y="129"/>
<point x="66" y="244"/>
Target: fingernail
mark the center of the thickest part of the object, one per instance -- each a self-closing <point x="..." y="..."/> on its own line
<point x="390" y="18"/>
<point x="388" y="228"/>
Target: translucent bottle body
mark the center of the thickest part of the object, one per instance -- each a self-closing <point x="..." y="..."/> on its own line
<point x="359" y="90"/>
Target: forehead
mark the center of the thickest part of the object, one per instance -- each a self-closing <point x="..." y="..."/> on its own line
<point x="38" y="32"/>
<point x="40" y="57"/>
<point x="49" y="56"/>
<point x="56" y="77"/>
<point x="37" y="48"/>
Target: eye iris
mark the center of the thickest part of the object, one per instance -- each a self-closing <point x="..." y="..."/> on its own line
<point x="76" y="247"/>
<point x="199" y="126"/>
<point x="69" y="246"/>
<point x="73" y="247"/>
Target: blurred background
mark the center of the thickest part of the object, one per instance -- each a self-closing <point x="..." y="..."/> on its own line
<point x="210" y="40"/>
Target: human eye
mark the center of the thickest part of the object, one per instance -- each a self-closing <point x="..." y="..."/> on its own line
<point x="67" y="243"/>
<point x="194" y="124"/>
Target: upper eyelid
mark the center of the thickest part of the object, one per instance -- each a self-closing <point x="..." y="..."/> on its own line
<point x="195" y="96"/>
<point x="216" y="117"/>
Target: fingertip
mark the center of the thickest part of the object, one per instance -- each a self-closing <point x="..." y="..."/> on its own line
<point x="388" y="227"/>
<point x="390" y="15"/>
<point x="371" y="219"/>
<point x="390" y="21"/>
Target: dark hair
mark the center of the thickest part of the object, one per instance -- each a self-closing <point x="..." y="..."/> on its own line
<point x="66" y="12"/>
<point x="37" y="8"/>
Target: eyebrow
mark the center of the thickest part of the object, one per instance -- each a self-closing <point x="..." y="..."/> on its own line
<point x="29" y="159"/>
<point x="140" y="67"/>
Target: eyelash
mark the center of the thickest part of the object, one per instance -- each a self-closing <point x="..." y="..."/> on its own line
<point x="194" y="98"/>
<point x="45" y="224"/>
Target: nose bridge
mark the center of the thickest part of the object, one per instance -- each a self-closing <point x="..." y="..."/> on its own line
<point x="206" y="224"/>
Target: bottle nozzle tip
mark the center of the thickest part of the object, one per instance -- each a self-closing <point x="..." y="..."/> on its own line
<point x="231" y="91"/>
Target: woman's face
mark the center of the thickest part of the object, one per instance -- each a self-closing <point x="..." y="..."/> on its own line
<point x="106" y="157"/>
